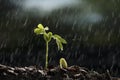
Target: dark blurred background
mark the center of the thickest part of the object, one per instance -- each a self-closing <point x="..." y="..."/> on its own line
<point x="91" y="28"/>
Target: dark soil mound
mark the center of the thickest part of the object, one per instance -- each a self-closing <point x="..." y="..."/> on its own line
<point x="37" y="73"/>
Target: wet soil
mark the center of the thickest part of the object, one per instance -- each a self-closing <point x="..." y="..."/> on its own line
<point x="52" y="73"/>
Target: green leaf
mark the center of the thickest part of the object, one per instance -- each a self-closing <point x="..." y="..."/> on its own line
<point x="39" y="30"/>
<point x="60" y="38"/>
<point x="59" y="44"/>
<point x="36" y="31"/>
<point x="40" y="26"/>
<point x="46" y="28"/>
<point x="60" y="41"/>
<point x="57" y="36"/>
<point x="63" y="41"/>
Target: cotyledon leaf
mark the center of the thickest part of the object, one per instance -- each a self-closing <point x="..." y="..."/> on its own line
<point x="60" y="39"/>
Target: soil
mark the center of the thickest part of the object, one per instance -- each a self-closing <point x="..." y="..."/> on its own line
<point x="52" y="73"/>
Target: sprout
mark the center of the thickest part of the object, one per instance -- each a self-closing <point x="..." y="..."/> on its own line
<point x="40" y="30"/>
<point x="63" y="63"/>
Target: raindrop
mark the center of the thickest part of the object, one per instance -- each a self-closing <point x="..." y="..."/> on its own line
<point x="7" y="23"/>
<point x="11" y="57"/>
<point x="26" y="20"/>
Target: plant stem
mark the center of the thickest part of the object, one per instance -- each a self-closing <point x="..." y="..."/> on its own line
<point x="46" y="64"/>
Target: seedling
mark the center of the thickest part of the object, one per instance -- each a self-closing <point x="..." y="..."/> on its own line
<point x="63" y="63"/>
<point x="40" y="30"/>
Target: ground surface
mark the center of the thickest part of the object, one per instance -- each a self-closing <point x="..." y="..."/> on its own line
<point x="37" y="73"/>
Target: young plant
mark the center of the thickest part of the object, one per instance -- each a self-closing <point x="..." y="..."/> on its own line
<point x="40" y="30"/>
<point x="63" y="63"/>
